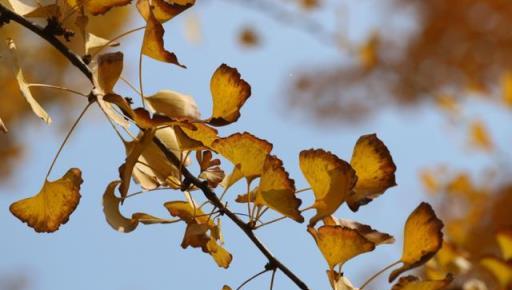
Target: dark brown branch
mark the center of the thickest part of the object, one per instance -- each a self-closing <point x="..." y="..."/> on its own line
<point x="6" y="15"/>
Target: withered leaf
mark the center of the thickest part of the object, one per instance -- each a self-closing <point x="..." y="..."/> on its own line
<point x="414" y="283"/>
<point x="163" y="10"/>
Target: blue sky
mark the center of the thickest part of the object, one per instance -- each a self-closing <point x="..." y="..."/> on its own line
<point x="87" y="254"/>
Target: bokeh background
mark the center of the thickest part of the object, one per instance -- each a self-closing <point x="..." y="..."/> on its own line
<point x="432" y="78"/>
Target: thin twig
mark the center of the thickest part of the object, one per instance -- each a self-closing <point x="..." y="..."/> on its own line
<point x="378" y="274"/>
<point x="251" y="278"/>
<point x="57" y="88"/>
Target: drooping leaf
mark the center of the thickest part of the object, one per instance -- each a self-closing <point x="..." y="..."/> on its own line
<point x="277" y="190"/>
<point x="246" y="151"/>
<point x="163" y="10"/>
<point x="173" y="105"/>
<point x="414" y="283"/>
<point x="53" y="205"/>
<point x="24" y="86"/>
<point x="339" y="244"/>
<point x="201" y="137"/>
<point x="366" y="231"/>
<point x="229" y="93"/>
<point x="210" y="168"/>
<point x="374" y="168"/>
<point x="504" y="238"/>
<point x="500" y="269"/>
<point x="339" y="282"/>
<point x="196" y="236"/>
<point x="107" y="71"/>
<point x="422" y="239"/>
<point x="153" y="42"/>
<point x="116" y="220"/>
<point x="331" y="179"/>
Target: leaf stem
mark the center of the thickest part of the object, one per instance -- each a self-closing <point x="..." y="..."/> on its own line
<point x="302" y="190"/>
<point x="58" y="88"/>
<point x="67" y="138"/>
<point x="379" y="273"/>
<point x="116" y="38"/>
<point x="251" y="278"/>
<point x="270" y="222"/>
<point x="272" y="279"/>
<point x="140" y="79"/>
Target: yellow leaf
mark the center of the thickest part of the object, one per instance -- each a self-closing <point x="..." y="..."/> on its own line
<point x="93" y="43"/>
<point x="24" y="87"/>
<point x="504" y="238"/>
<point x="277" y="191"/>
<point x="479" y="136"/>
<point x="226" y="287"/>
<point x="153" y="42"/>
<point x="53" y="205"/>
<point x="2" y="126"/>
<point x="196" y="236"/>
<point x="116" y="220"/>
<point x="173" y="105"/>
<point x="163" y="10"/>
<point x="331" y="179"/>
<point x="339" y="244"/>
<point x="246" y="151"/>
<point x="368" y="53"/>
<point x="97" y="7"/>
<point x="21" y="7"/>
<point x="107" y="71"/>
<point x="422" y="239"/>
<point x="203" y="134"/>
<point x="229" y="93"/>
<point x="366" y="231"/>
<point x="413" y="283"/>
<point x="132" y="156"/>
<point x="501" y="270"/>
<point x="374" y="168"/>
<point x="188" y="212"/>
<point x="339" y="282"/>
<point x="506" y="86"/>
<point x="222" y="257"/>
<point x="48" y="11"/>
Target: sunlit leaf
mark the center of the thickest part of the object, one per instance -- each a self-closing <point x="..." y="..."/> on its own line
<point x="422" y="239"/>
<point x="163" y="10"/>
<point x="339" y="282"/>
<point x="414" y="283"/>
<point x="153" y="42"/>
<point x="222" y="257"/>
<point x="201" y="137"/>
<point x="107" y="71"/>
<point x="53" y="205"/>
<point x="229" y="93"/>
<point x="368" y="52"/>
<point x="504" y="238"/>
<point x="97" y="7"/>
<point x="339" y="244"/>
<point x="277" y="190"/>
<point x="24" y="86"/>
<point x="331" y="179"/>
<point x="196" y="236"/>
<point x="210" y="168"/>
<point x="506" y="87"/>
<point x="21" y="7"/>
<point x="2" y="126"/>
<point x="374" y="168"/>
<point x="246" y="151"/>
<point x="94" y="43"/>
<point x="501" y="270"/>
<point x="116" y="220"/>
<point x="366" y="231"/>
<point x="479" y="137"/>
<point x="173" y="105"/>
<point x="47" y="11"/>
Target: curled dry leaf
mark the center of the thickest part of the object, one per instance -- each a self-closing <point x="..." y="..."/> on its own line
<point x="374" y="168"/>
<point x="173" y="105"/>
<point x="24" y="86"/>
<point x="422" y="239"/>
<point x="162" y="10"/>
<point x="414" y="283"/>
<point x="504" y="238"/>
<point x="500" y="269"/>
<point x="116" y="220"/>
<point x="210" y="168"/>
<point x="331" y="179"/>
<point x="366" y="231"/>
<point x="153" y="42"/>
<point x="339" y="244"/>
<point x="53" y="205"/>
<point x="277" y="190"/>
<point x="2" y="126"/>
<point x="246" y="152"/>
<point x="229" y="93"/>
<point x="97" y="7"/>
<point x="339" y="282"/>
<point x="21" y="7"/>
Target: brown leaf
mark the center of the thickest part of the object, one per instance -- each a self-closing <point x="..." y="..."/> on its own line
<point x="414" y="283"/>
<point x="162" y="10"/>
<point x="368" y="232"/>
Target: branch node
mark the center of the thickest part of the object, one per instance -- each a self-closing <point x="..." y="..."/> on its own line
<point x="54" y="27"/>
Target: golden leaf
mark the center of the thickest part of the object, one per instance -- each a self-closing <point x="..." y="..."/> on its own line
<point x="479" y="136"/>
<point x="116" y="220"/>
<point x="163" y="10"/>
<point x="199" y="138"/>
<point x="25" y="88"/>
<point x="331" y="179"/>
<point x="229" y="93"/>
<point x="339" y="282"/>
<point x="374" y="168"/>
<point x="413" y="283"/>
<point x="2" y="126"/>
<point x="501" y="270"/>
<point x="188" y="212"/>
<point x="222" y="257"/>
<point x="506" y="87"/>
<point x="173" y="105"/>
<point x="97" y="7"/>
<point x="107" y="71"/>
<point x="504" y="238"/>
<point x="277" y="191"/>
<point x="153" y="42"/>
<point x="422" y="239"/>
<point x="47" y="11"/>
<point x="132" y="156"/>
<point x="196" y="236"/>
<point x="366" y="231"/>
<point x="245" y="150"/>
<point x="53" y="205"/>
<point x="339" y="244"/>
<point x="94" y="43"/>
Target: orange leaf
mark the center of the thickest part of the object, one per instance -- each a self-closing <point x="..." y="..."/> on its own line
<point x="366" y="231"/>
